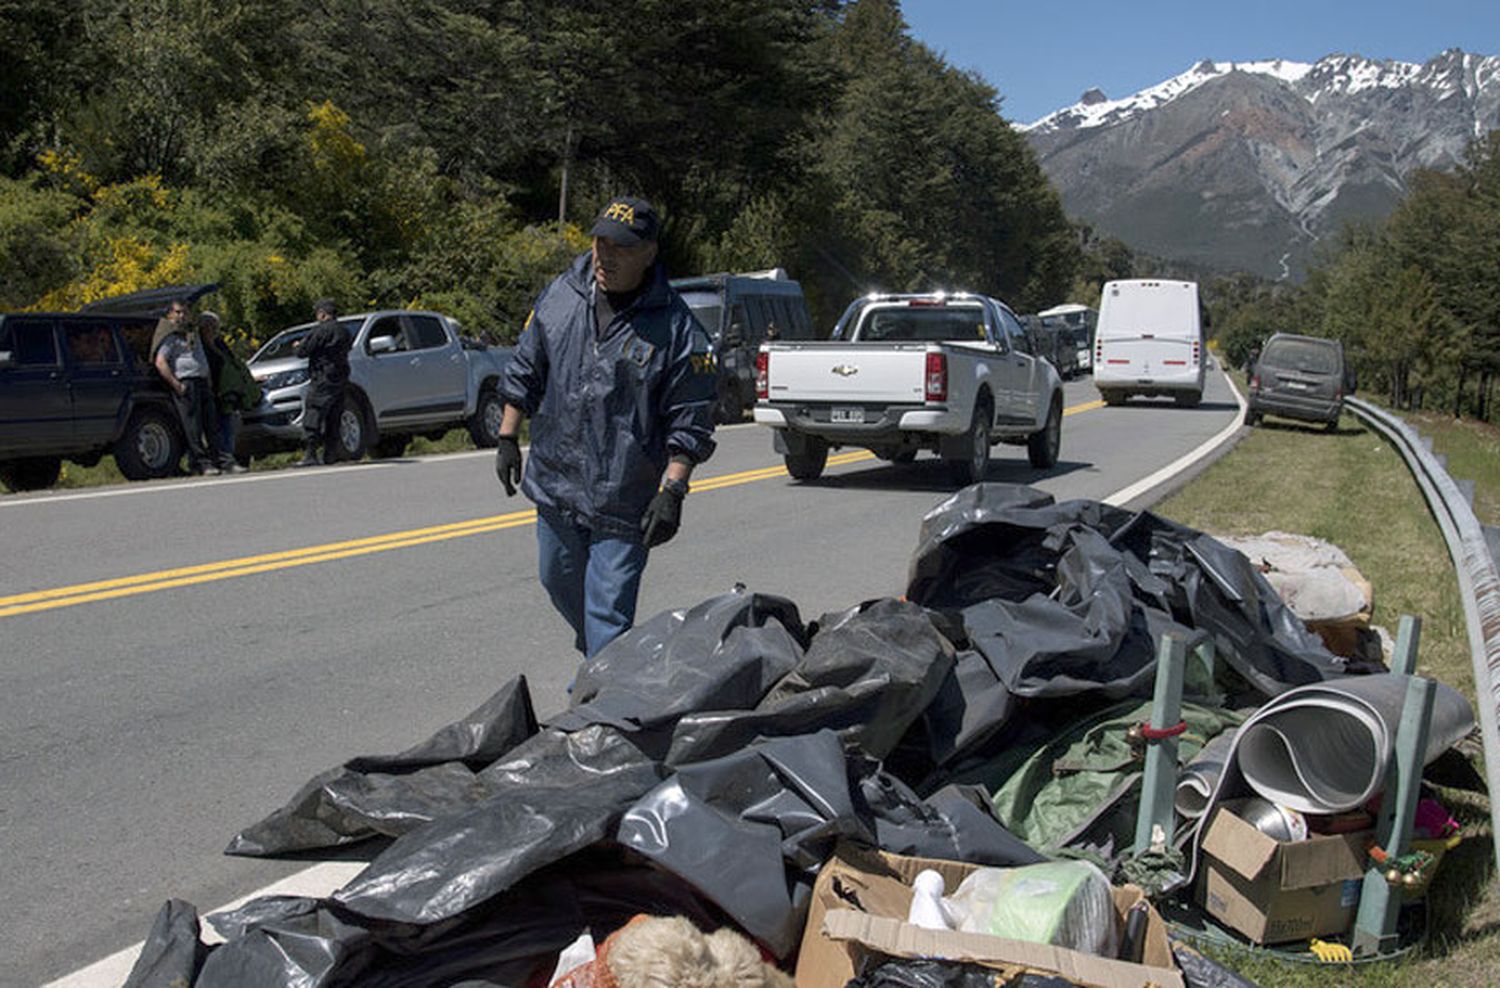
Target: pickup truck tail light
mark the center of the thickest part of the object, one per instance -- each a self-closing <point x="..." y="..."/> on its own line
<point x="762" y="376"/>
<point x="936" y="386"/>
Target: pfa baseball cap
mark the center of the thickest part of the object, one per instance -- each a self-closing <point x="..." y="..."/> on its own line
<point x="627" y="221"/>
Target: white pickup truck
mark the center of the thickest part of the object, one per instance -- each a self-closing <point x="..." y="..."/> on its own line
<point x="951" y="373"/>
<point x="411" y="373"/>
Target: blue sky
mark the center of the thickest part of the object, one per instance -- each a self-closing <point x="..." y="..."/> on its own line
<point x="1042" y="54"/>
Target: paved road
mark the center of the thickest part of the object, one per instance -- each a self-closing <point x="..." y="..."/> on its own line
<point x="142" y="727"/>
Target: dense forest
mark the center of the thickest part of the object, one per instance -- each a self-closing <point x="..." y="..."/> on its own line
<point x="450" y="153"/>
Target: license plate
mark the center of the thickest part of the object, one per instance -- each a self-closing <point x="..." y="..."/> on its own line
<point x="1297" y="385"/>
<point x="848" y="415"/>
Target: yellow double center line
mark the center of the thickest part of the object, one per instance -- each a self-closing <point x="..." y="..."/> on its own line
<point x="125" y="586"/>
<point x="187" y="576"/>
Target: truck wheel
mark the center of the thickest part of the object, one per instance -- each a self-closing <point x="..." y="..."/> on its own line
<point x="1042" y="447"/>
<point x="809" y="464"/>
<point x="30" y="473"/>
<point x="354" y="433"/>
<point x="389" y="447"/>
<point x="150" y="446"/>
<point x="1113" y="397"/>
<point x="484" y="424"/>
<point x="1188" y="400"/>
<point x="970" y="468"/>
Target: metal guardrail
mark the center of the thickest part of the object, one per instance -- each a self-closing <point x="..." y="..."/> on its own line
<point x="1478" y="580"/>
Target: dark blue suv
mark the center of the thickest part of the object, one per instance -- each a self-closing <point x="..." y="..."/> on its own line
<point x="77" y="386"/>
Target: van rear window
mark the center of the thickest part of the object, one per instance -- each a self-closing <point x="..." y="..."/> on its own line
<point x="1302" y="355"/>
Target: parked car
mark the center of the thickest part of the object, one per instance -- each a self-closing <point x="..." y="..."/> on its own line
<point x="1052" y="343"/>
<point x="77" y="386"/>
<point x="1075" y="324"/>
<point x="410" y="373"/>
<point x="1150" y="341"/>
<point x="740" y="311"/>
<point x="1300" y="377"/>
<point x="951" y="373"/>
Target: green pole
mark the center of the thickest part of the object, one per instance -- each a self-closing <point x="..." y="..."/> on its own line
<point x="1380" y="901"/>
<point x="1408" y="634"/>
<point x="1153" y="823"/>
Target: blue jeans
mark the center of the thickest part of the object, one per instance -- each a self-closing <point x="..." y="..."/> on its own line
<point x="593" y="579"/>
<point x="229" y="427"/>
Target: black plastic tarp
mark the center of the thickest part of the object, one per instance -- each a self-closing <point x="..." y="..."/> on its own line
<point x="1074" y="597"/>
<point x="729" y="744"/>
<point x="750" y="830"/>
<point x="392" y="794"/>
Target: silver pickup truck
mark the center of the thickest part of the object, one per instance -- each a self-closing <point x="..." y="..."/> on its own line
<point x="951" y="373"/>
<point x="410" y="373"/>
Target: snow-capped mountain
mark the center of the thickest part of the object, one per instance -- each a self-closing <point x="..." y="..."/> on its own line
<point x="1245" y="165"/>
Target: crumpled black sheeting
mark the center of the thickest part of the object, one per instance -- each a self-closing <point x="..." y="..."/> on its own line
<point x="172" y="954"/>
<point x="751" y="829"/>
<point x="732" y="744"/>
<point x="392" y="794"/>
<point x="723" y="654"/>
<point x="900" y="972"/>
<point x="1075" y="597"/>
<point x="506" y="942"/>
<point x="553" y="795"/>
<point x="745" y="834"/>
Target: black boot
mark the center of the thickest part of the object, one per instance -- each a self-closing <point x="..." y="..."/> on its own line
<point x="310" y="457"/>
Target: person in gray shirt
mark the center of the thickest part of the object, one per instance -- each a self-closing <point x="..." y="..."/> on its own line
<point x="182" y="363"/>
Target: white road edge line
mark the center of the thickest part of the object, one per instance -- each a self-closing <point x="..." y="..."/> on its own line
<point x="1127" y="494"/>
<point x="317" y="881"/>
<point x="322" y="879"/>
<point x="20" y="500"/>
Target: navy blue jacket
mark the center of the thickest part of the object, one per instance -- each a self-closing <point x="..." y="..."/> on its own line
<point x="607" y="413"/>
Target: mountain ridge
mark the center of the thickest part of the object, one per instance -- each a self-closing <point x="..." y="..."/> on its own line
<point x="1246" y="165"/>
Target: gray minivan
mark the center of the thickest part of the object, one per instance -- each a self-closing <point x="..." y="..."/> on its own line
<point x="1300" y="377"/>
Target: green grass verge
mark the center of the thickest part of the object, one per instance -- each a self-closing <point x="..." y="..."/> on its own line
<point x="1354" y="490"/>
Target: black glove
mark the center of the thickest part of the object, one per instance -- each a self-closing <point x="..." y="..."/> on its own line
<point x="663" y="516"/>
<point x="508" y="463"/>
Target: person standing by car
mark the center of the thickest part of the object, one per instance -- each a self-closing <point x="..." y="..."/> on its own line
<point x="617" y="378"/>
<point x="180" y="360"/>
<point x="234" y="389"/>
<point x="326" y="348"/>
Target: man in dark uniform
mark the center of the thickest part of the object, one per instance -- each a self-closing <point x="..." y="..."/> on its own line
<point x="327" y="351"/>
<point x="618" y="380"/>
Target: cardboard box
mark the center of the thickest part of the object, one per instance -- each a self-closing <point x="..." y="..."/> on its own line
<point x="1273" y="891"/>
<point x="859" y="907"/>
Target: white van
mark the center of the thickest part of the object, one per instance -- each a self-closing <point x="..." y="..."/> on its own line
<point x="1149" y="341"/>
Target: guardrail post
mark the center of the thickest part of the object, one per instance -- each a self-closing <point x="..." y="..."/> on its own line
<point x="1198" y="677"/>
<point x="1153" y="822"/>
<point x="1408" y="634"/>
<point x="1380" y="900"/>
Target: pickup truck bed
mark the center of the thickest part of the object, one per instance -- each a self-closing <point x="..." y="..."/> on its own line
<point x="952" y="374"/>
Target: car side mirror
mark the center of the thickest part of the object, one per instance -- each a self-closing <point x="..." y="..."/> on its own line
<point x="7" y="359"/>
<point x="383" y="344"/>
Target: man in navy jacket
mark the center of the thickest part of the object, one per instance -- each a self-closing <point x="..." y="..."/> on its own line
<point x="617" y="378"/>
